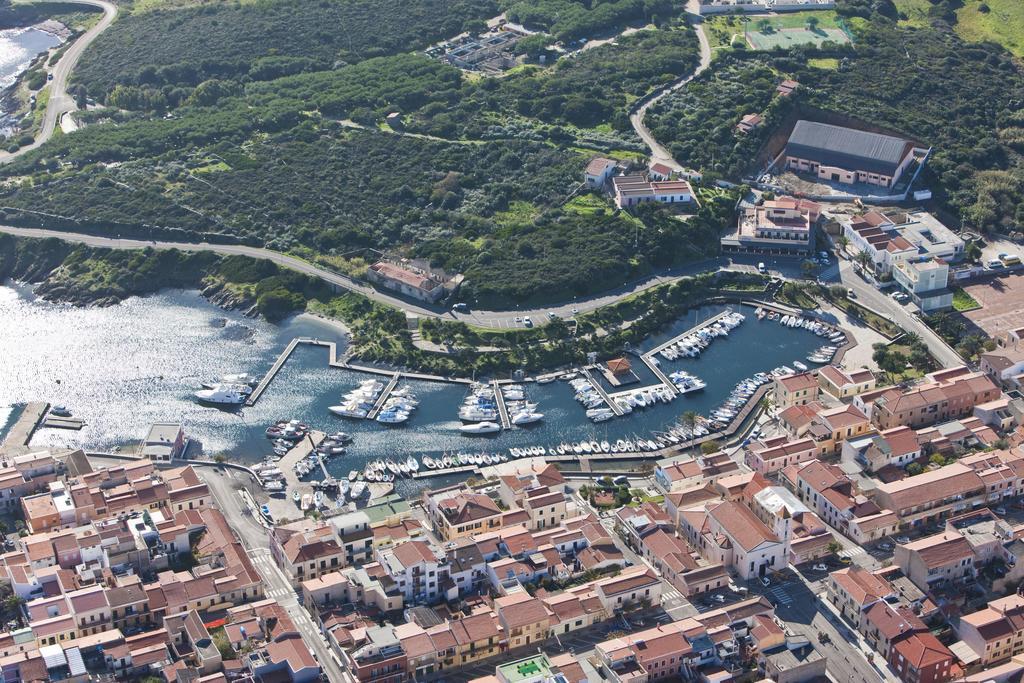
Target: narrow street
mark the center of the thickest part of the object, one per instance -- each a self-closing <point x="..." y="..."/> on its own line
<point x="225" y="484"/>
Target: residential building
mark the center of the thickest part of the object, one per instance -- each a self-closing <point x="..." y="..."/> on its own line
<point x="749" y="122"/>
<point x="457" y="512"/>
<point x="795" y="661"/>
<point x="845" y="155"/>
<point x="995" y="633"/>
<point x="842" y="384"/>
<point x="827" y="427"/>
<point x="777" y="226"/>
<point x="833" y="496"/>
<point x="306" y="549"/>
<point x="854" y="590"/>
<point x="942" y="395"/>
<point x="418" y="569"/>
<point x="936" y="560"/>
<point x="773" y="454"/>
<point x="932" y="495"/>
<point x="896" y="447"/>
<point x="927" y="283"/>
<point x="524" y="619"/>
<point x="598" y="171"/>
<point x="797" y="389"/>
<point x="897" y="237"/>
<point x="1005" y="364"/>
<point x="165" y="441"/>
<point x="413" y="279"/>
<point x="659" y="171"/>
<point x="728" y="533"/>
<point x="632" y="190"/>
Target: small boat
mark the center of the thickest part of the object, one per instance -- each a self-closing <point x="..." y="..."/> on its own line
<point x="318" y="499"/>
<point x="799" y="366"/>
<point x="60" y="411"/>
<point x="526" y="418"/>
<point x="358" y="490"/>
<point x="546" y="380"/>
<point x="352" y="475"/>
<point x="307" y="502"/>
<point x="296" y="497"/>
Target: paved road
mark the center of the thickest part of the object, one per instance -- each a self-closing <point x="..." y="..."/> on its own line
<point x="658" y="151"/>
<point x="492" y="319"/>
<point x="798" y="605"/>
<point x="897" y="313"/>
<point x="60" y="102"/>
<point x="225" y="485"/>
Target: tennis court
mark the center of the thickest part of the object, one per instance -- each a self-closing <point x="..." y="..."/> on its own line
<point x="791" y="37"/>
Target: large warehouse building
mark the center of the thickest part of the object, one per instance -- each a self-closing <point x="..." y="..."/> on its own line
<point x="846" y="155"/>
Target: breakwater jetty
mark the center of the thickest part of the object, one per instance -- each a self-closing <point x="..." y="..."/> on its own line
<point x="334" y="362"/>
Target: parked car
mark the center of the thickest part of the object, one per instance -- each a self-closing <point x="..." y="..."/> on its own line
<point x="552" y="315"/>
<point x="999" y="510"/>
<point x="850" y="294"/>
<point x="527" y="321"/>
<point x="885" y="546"/>
<point x="765" y="581"/>
<point x="575" y="310"/>
<point x="717" y="598"/>
<point x="902" y="540"/>
<point x="994" y="264"/>
<point x="820" y="567"/>
<point x="761" y="268"/>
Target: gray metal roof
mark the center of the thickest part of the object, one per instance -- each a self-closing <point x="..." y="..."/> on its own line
<point x="854" y="150"/>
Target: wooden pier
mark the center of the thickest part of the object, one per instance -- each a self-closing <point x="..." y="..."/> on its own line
<point x="300" y="452"/>
<point x="499" y="399"/>
<point x="648" y="357"/>
<point x="600" y="390"/>
<point x="425" y="474"/>
<point x="334" y="362"/>
<point x="28" y="422"/>
<point x="55" y="422"/>
<point x="375" y="410"/>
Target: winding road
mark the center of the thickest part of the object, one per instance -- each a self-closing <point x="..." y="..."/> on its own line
<point x="60" y="102"/>
<point x="659" y="153"/>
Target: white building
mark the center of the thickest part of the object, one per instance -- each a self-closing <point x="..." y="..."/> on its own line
<point x="891" y="239"/>
<point x="927" y="283"/>
<point x="598" y="172"/>
<point x="728" y="533"/>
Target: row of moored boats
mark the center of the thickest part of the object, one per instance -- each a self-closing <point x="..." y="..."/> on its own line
<point x="360" y="402"/>
<point x="481" y="412"/>
<point x="692" y="344"/>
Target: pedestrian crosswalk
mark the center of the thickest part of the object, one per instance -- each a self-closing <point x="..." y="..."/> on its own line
<point x="852" y="552"/>
<point x="780" y="595"/>
<point x="278" y="593"/>
<point x="671" y="595"/>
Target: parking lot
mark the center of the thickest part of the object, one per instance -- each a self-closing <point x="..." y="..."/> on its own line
<point x="1001" y="299"/>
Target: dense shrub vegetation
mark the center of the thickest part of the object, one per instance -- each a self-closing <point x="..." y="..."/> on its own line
<point x="576" y="19"/>
<point x="166" y="49"/>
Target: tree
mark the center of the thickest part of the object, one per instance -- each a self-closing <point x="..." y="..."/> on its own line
<point x="843" y="241"/>
<point x="863" y="259"/>
<point x="808" y="267"/>
<point x="709" y="447"/>
<point x="765" y="26"/>
<point x="812" y="24"/>
<point x="914" y="469"/>
<point x="833" y="547"/>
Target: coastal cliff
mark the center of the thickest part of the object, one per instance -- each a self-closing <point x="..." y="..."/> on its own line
<point x="88" y="276"/>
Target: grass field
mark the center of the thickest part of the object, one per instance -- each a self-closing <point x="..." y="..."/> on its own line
<point x="1003" y="23"/>
<point x="915" y="11"/>
<point x="791" y="37"/>
<point x="826" y="63"/>
<point x="962" y="301"/>
<point x="724" y="31"/>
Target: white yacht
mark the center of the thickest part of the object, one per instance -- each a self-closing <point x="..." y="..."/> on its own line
<point x="480" y="428"/>
<point x="526" y="418"/>
<point x="225" y="394"/>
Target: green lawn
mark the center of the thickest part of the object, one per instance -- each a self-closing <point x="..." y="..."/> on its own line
<point x="517" y="213"/>
<point x="1003" y="23"/>
<point x="826" y="63"/>
<point x="916" y="12"/>
<point x="962" y="301"/>
<point x="588" y="204"/>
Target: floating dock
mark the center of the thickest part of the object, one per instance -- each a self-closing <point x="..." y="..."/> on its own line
<point x="334" y="362"/>
<point x="499" y="399"/>
<point x="600" y="390"/>
<point x="63" y="422"/>
<point x="648" y="357"/>
<point x="426" y="473"/>
<point x="375" y="410"/>
<point x="28" y="422"/>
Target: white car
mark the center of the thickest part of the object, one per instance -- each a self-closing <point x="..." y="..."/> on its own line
<point x="820" y="567"/>
<point x="765" y="581"/>
<point x="552" y="315"/>
<point x="903" y="540"/>
<point x="527" y="321"/>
